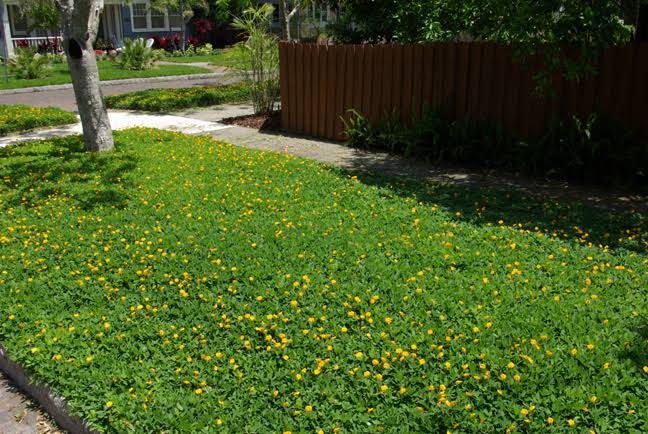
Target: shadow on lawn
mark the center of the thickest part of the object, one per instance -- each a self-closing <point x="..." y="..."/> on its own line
<point x="562" y="218"/>
<point x="38" y="171"/>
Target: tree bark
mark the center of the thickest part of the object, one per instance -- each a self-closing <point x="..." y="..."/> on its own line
<point x="80" y="20"/>
<point x="282" y="19"/>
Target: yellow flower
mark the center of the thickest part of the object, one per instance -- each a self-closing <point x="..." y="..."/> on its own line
<point x="384" y="388"/>
<point x="359" y="355"/>
<point x="550" y="420"/>
<point x="308" y="408"/>
<point x="402" y="390"/>
<point x="524" y="412"/>
<point x="109" y="404"/>
<point x="571" y="422"/>
<point x="510" y="365"/>
<point x="198" y="391"/>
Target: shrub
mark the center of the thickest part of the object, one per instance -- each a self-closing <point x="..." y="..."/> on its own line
<point x="204" y="50"/>
<point x="594" y="149"/>
<point x="259" y="57"/>
<point x="26" y="63"/>
<point x="136" y="56"/>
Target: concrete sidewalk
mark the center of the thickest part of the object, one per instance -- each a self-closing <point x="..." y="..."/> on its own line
<point x="121" y="120"/>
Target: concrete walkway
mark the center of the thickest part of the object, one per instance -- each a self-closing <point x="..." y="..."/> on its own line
<point x="337" y="154"/>
<point x="18" y="415"/>
<point x="121" y="120"/>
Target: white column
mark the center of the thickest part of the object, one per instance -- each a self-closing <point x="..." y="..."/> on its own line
<point x="7" y="43"/>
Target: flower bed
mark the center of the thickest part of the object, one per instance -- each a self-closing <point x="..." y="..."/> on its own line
<point x="180" y="284"/>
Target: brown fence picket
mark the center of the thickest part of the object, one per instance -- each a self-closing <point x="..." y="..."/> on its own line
<point x="283" y="83"/>
<point x="307" y="86"/>
<point x="299" y="88"/>
<point x="320" y="83"/>
<point x="331" y="83"/>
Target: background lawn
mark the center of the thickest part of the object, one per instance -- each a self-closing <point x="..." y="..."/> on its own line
<point x="179" y="284"/>
<point x="163" y="100"/>
<point x="107" y="71"/>
<point x="14" y="118"/>
<point x="226" y="57"/>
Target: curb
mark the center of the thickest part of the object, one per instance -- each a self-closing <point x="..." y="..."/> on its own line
<point x="53" y="404"/>
<point x="116" y="82"/>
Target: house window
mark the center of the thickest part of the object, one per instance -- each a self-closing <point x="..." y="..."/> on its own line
<point x="140" y="16"/>
<point x="158" y="19"/>
<point x="175" y="19"/>
<point x="19" y="24"/>
<point x="145" y="19"/>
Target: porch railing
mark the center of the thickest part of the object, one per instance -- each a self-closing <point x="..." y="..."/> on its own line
<point x="46" y="43"/>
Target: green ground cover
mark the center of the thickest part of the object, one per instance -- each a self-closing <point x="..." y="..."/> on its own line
<point x="164" y="100"/>
<point x="14" y="118"/>
<point x="60" y="74"/>
<point x="225" y="57"/>
<point x="180" y="284"/>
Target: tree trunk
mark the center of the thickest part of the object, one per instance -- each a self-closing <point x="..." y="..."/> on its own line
<point x="282" y="20"/>
<point x="80" y="19"/>
<point x="184" y="27"/>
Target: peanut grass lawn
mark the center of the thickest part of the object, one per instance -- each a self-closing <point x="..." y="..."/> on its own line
<point x="165" y="100"/>
<point x="180" y="284"/>
<point x="17" y="118"/>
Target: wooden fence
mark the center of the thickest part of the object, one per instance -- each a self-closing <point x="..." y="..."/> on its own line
<point x="319" y="83"/>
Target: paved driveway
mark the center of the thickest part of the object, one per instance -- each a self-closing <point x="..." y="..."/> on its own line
<point x="64" y="98"/>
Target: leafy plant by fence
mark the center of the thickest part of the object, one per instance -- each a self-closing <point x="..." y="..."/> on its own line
<point x="475" y="80"/>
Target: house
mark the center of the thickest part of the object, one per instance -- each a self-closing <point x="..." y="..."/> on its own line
<point x="119" y="20"/>
<point x="135" y="19"/>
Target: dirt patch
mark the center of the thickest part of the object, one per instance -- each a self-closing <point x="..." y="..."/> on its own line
<point x="271" y="122"/>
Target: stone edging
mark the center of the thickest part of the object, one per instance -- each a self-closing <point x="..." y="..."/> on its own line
<point x="116" y="82"/>
<point x="50" y="402"/>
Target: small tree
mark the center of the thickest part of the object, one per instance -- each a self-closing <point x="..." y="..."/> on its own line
<point x="80" y="20"/>
<point x="287" y="14"/>
<point x="259" y="55"/>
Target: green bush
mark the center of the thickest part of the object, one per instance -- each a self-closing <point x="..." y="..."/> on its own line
<point x="28" y="64"/>
<point x="14" y="118"/>
<point x="162" y="100"/>
<point x="204" y="50"/>
<point x="136" y="56"/>
<point x="259" y="57"/>
<point x="595" y="149"/>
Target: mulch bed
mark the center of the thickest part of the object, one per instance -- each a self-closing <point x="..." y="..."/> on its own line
<point x="271" y="122"/>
